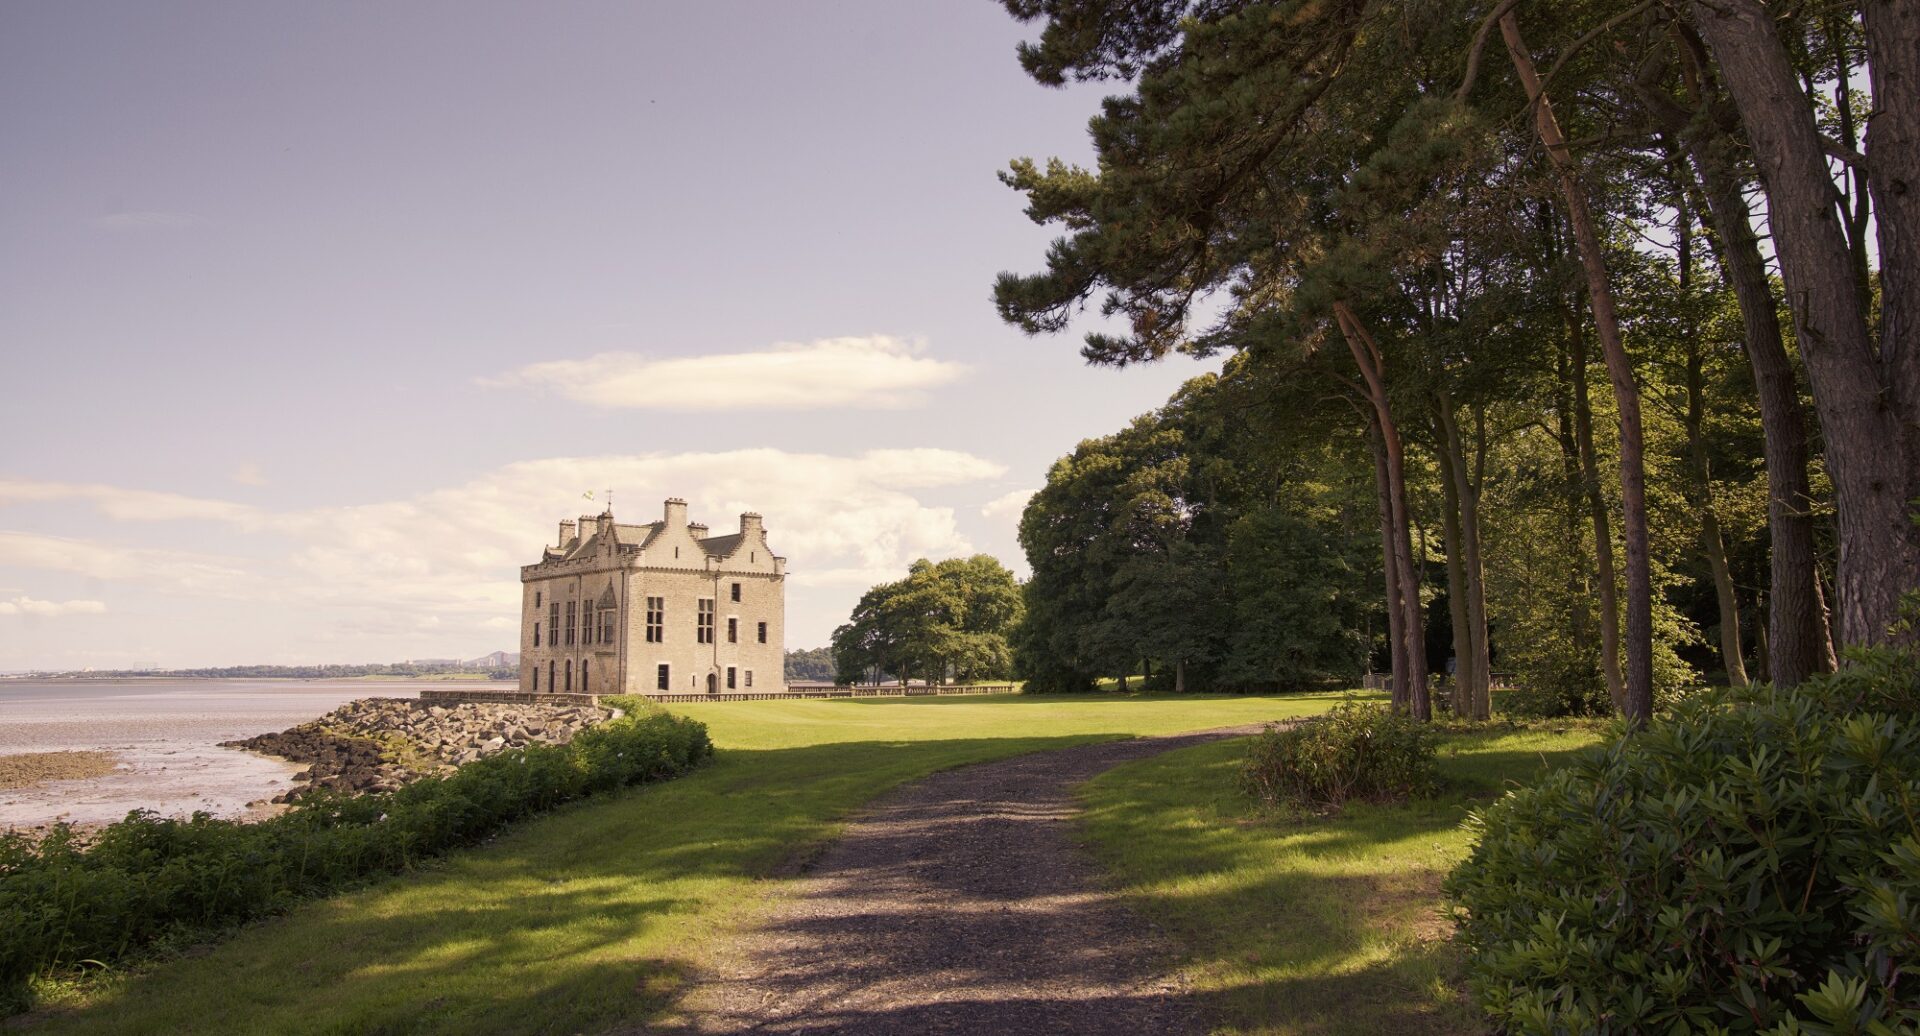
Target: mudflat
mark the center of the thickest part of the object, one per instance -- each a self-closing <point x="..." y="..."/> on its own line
<point x="165" y="735"/>
<point x="30" y="768"/>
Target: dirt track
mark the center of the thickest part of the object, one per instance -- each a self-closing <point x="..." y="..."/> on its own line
<point x="957" y="904"/>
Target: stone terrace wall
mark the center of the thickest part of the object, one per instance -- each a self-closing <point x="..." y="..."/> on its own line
<point x="439" y="697"/>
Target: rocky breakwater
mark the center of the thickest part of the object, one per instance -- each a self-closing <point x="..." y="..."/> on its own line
<point x="378" y="744"/>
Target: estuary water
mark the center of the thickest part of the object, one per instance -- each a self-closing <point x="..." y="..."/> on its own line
<point x="166" y="735"/>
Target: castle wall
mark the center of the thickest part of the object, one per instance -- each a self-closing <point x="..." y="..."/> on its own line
<point x="664" y="560"/>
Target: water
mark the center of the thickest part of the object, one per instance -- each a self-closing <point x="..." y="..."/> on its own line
<point x="166" y="734"/>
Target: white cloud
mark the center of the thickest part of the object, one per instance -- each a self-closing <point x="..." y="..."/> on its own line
<point x="194" y="573"/>
<point x="875" y="371"/>
<point x="143" y="220"/>
<point x="1008" y="506"/>
<point x="29" y="606"/>
<point x="844" y="522"/>
<point x="130" y="505"/>
<point x="249" y="474"/>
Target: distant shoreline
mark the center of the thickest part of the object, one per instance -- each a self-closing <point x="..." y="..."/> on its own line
<point x="146" y="677"/>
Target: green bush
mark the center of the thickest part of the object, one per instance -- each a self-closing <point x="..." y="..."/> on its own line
<point x="1353" y="752"/>
<point x="148" y="880"/>
<point x="1751" y="864"/>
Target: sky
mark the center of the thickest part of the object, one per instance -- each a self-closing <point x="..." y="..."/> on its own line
<point x="315" y="319"/>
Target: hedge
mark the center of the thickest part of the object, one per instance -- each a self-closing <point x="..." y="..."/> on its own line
<point x="145" y="879"/>
<point x="1750" y="864"/>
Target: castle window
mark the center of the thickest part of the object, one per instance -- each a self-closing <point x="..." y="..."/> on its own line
<point x="606" y="625"/>
<point x="536" y="679"/>
<point x="553" y="630"/>
<point x="536" y="600"/>
<point x="551" y="683"/>
<point x="736" y="593"/>
<point x="730" y="678"/>
<point x="763" y="633"/>
<point x="656" y="620"/>
<point x="570" y="628"/>
<point x="749" y="678"/>
<point x="586" y="622"/>
<point x="733" y="630"/>
<point x="704" y="623"/>
<point x="569" y="672"/>
<point x="665" y="678"/>
<point x="536" y="634"/>
<point x="585" y="687"/>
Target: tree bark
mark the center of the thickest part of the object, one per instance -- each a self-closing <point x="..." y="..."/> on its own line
<point x="1868" y="399"/>
<point x="1396" y="642"/>
<point x="1366" y="353"/>
<point x="1456" y="575"/>
<point x="1712" y="543"/>
<point x="1893" y="182"/>
<point x="1793" y="632"/>
<point x="1609" y="585"/>
<point x="1626" y="394"/>
<point x="1478" y="677"/>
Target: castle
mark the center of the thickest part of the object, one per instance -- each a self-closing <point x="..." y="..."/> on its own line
<point x="655" y="608"/>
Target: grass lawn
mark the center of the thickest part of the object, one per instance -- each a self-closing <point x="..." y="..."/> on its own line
<point x="1289" y="925"/>
<point x="592" y="917"/>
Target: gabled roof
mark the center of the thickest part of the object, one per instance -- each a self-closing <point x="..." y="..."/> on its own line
<point x="721" y="546"/>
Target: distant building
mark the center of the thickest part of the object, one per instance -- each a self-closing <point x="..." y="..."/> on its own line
<point x="655" y="608"/>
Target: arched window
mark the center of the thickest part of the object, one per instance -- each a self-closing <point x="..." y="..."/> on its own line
<point x="536" y="679"/>
<point x="551" y="682"/>
<point x="585" y="687"/>
<point x="569" y="675"/>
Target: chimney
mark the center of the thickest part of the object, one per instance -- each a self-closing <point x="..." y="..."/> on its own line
<point x="699" y="530"/>
<point x="750" y="525"/>
<point x="566" y="533"/>
<point x="676" y="512"/>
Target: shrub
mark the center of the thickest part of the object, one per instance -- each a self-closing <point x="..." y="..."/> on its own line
<point x="146" y="880"/>
<point x="1750" y="864"/>
<point x="1354" y="751"/>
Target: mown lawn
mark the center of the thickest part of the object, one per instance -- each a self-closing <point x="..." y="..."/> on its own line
<point x="591" y="918"/>
<point x="1315" y="925"/>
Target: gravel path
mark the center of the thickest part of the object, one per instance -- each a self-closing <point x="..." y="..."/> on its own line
<point x="957" y="904"/>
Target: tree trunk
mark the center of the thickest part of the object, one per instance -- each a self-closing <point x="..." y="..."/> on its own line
<point x="1180" y="676"/>
<point x="1467" y="487"/>
<point x="1396" y="615"/>
<point x="1868" y="399"/>
<point x="1893" y="181"/>
<point x="1574" y="483"/>
<point x="1626" y="394"/>
<point x="1711" y="542"/>
<point x="1792" y="634"/>
<point x="1366" y="353"/>
<point x="1456" y="575"/>
<point x="1609" y="586"/>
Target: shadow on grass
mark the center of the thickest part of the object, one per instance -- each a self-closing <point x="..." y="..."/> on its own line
<point x="1305" y="924"/>
<point x="589" y="916"/>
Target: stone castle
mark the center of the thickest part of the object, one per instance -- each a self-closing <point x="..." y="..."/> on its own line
<point x="656" y="608"/>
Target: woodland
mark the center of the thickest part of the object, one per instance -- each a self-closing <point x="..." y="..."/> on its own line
<point x="1573" y="342"/>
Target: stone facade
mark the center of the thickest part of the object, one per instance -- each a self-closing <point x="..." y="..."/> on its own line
<point x="657" y="608"/>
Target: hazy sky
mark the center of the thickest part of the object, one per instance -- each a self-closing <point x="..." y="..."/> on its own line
<point x="316" y="318"/>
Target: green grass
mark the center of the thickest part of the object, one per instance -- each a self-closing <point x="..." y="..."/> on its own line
<point x="1315" y="925"/>
<point x="595" y="915"/>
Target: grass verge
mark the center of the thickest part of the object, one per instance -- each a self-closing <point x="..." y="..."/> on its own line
<point x="1309" y="925"/>
<point x="593" y="917"/>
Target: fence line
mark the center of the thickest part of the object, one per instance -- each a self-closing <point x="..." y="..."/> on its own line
<point x="867" y="691"/>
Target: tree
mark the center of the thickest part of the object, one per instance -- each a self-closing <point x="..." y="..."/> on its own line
<point x="949" y="619"/>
